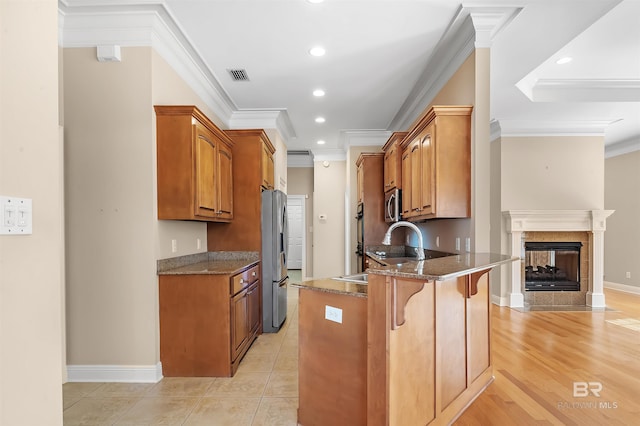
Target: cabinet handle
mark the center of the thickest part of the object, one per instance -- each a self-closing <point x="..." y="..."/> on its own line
<point x="241" y="281"/>
<point x="388" y="185"/>
<point x="253" y="274"/>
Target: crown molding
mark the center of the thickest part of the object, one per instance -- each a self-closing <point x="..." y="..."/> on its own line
<point x="472" y="27"/>
<point x="523" y="128"/>
<point x="494" y="130"/>
<point x="623" y="147"/>
<point x="143" y="23"/>
<point x="584" y="90"/>
<point x="350" y="138"/>
<point x="264" y="119"/>
<point x="329" y="155"/>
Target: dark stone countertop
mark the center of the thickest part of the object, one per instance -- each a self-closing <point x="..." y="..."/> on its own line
<point x="213" y="262"/>
<point x="329" y="285"/>
<point x="442" y="268"/>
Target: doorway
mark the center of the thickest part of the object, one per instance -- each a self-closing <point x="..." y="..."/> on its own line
<point x="296" y="215"/>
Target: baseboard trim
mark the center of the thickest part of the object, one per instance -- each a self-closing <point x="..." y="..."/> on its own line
<point x="500" y="301"/>
<point x="115" y="373"/>
<point x="622" y="287"/>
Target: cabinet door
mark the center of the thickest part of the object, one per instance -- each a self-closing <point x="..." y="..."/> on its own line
<point x="205" y="155"/>
<point x="360" y="183"/>
<point x="253" y="308"/>
<point x="239" y="326"/>
<point x="406" y="183"/>
<point x="428" y="171"/>
<point x="416" y="176"/>
<point x="225" y="181"/>
<point x="268" y="168"/>
<point x="391" y="168"/>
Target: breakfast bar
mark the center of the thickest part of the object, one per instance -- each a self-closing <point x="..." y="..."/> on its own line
<point x="406" y="344"/>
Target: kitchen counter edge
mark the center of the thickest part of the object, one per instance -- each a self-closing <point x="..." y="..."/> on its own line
<point x="208" y="263"/>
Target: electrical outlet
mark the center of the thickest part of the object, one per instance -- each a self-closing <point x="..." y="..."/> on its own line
<point x="458" y="244"/>
<point x="438" y="241"/>
<point x="174" y="246"/>
<point x="333" y="314"/>
<point x="198" y="244"/>
<point x="467" y="245"/>
<point x="628" y="274"/>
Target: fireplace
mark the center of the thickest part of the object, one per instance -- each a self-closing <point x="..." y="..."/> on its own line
<point x="544" y="226"/>
<point x="552" y="266"/>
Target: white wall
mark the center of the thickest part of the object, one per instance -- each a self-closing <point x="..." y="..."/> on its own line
<point x="328" y="235"/>
<point x="622" y="194"/>
<point x="31" y="287"/>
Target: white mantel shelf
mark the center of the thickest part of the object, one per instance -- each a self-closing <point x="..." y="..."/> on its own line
<point x="592" y="221"/>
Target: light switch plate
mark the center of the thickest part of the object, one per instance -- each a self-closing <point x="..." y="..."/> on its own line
<point x="17" y="216"/>
<point x="333" y="314"/>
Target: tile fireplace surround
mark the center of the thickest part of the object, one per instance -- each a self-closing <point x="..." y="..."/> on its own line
<point x="519" y="222"/>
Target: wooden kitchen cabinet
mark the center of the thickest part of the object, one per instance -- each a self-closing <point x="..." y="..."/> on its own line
<point x="208" y="321"/>
<point x="436" y="165"/>
<point x="393" y="161"/>
<point x="267" y="166"/>
<point x="194" y="166"/>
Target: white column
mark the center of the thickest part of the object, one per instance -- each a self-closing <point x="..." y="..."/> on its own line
<point x="595" y="294"/>
<point x="516" y="298"/>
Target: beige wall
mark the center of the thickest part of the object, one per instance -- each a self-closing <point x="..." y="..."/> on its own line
<point x="622" y="194"/>
<point x="113" y="237"/>
<point x="352" y="156"/>
<point x="279" y="159"/>
<point x="328" y="235"/>
<point x="461" y="90"/>
<point x="541" y="173"/>
<point x="111" y="231"/>
<point x="301" y="183"/>
<point x="31" y="289"/>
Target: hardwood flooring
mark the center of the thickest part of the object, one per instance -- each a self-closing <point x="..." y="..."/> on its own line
<point x="540" y="358"/>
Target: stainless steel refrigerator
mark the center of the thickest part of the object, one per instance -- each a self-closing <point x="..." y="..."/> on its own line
<point x="275" y="244"/>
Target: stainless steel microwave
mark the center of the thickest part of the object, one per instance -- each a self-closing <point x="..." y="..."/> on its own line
<point x="392" y="209"/>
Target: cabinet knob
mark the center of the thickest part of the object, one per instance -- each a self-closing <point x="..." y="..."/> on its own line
<point x="253" y="274"/>
<point x="241" y="281"/>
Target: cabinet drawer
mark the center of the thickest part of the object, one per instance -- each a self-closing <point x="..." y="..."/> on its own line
<point x="244" y="279"/>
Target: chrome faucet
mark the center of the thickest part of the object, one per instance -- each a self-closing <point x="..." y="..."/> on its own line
<point x="387" y="236"/>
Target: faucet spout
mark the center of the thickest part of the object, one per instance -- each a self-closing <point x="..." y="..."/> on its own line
<point x="387" y="236"/>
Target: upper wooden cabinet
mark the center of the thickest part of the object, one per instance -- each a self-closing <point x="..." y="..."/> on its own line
<point x="393" y="161"/>
<point x="194" y="161"/>
<point x="253" y="172"/>
<point x="267" y="165"/>
<point x="436" y="165"/>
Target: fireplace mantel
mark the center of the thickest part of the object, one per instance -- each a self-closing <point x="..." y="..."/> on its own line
<point x="592" y="221"/>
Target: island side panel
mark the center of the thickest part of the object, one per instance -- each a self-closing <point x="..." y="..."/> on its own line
<point x="451" y="340"/>
<point x="332" y="360"/>
<point x="412" y="359"/>
<point x="478" y="324"/>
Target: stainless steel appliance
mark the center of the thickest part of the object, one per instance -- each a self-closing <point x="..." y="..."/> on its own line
<point x="392" y="206"/>
<point x="274" y="260"/>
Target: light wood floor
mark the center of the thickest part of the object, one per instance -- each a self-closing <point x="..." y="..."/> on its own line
<point x="537" y="357"/>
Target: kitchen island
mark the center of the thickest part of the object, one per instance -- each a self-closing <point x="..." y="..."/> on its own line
<point x="410" y="347"/>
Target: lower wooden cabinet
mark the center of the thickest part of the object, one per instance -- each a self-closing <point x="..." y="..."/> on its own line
<point x="208" y="322"/>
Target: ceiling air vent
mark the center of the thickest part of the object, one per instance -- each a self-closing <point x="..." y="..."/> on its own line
<point x="301" y="152"/>
<point x="238" y="74"/>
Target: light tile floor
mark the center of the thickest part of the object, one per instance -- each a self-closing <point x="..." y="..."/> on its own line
<point x="263" y="392"/>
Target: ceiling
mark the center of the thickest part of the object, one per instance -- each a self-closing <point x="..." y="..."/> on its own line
<point x="380" y="54"/>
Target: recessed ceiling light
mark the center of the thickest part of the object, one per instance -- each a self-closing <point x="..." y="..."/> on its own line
<point x="320" y="142"/>
<point x="318" y="92"/>
<point x="315" y="1"/>
<point x="317" y="51"/>
<point x="564" y="60"/>
<point x="320" y="120"/>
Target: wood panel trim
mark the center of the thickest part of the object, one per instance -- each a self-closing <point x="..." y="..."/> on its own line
<point x="401" y="293"/>
<point x="471" y="289"/>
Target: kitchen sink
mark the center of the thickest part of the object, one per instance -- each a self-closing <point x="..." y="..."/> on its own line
<point x="360" y="278"/>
